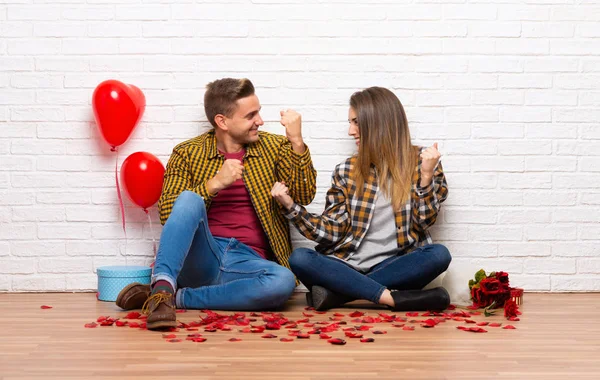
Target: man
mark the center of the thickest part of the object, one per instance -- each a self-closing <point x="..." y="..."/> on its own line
<point x="225" y="244"/>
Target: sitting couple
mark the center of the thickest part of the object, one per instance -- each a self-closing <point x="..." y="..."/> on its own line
<point x="228" y="195"/>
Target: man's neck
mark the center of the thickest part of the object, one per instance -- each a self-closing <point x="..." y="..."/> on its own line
<point x="226" y="144"/>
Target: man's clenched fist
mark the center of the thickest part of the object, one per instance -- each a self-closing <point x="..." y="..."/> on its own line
<point x="292" y="121"/>
<point x="230" y="172"/>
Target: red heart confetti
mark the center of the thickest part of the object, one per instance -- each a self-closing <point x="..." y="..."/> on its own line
<point x="472" y="329"/>
<point x="213" y="322"/>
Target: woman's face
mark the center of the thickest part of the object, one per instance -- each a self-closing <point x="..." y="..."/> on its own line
<point x="353" y="129"/>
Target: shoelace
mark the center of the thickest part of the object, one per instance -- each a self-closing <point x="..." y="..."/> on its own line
<point x="155" y="299"/>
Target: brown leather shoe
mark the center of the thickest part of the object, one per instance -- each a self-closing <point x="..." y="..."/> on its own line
<point x="133" y="296"/>
<point x="161" y="312"/>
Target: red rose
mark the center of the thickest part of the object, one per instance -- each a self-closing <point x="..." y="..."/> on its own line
<point x="502" y="277"/>
<point x="502" y="296"/>
<point x="510" y="309"/>
<point x="490" y="286"/>
<point x="479" y="298"/>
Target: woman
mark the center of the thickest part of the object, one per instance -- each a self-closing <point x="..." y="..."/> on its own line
<point x="372" y="236"/>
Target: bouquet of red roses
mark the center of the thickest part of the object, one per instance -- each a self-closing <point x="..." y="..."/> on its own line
<point x="490" y="291"/>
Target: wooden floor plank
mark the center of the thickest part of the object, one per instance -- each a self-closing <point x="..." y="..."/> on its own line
<point x="558" y="337"/>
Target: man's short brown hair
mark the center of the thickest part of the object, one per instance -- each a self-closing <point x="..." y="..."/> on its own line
<point x="221" y="96"/>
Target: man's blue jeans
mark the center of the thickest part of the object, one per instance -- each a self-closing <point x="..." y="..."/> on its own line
<point x="402" y="272"/>
<point x="213" y="272"/>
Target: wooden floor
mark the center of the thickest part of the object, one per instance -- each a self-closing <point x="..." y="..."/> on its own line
<point x="558" y="337"/>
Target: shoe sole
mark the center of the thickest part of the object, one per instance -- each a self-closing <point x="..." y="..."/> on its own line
<point x="319" y="296"/>
<point x="121" y="302"/>
<point x="309" y="300"/>
<point x="160" y="325"/>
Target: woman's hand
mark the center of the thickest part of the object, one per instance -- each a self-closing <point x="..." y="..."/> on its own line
<point x="280" y="193"/>
<point x="429" y="159"/>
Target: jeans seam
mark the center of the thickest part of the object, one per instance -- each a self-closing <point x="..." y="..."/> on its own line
<point x="243" y="272"/>
<point x="227" y="283"/>
<point x="378" y="294"/>
<point x="384" y="266"/>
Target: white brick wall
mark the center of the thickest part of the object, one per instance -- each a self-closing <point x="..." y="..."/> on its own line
<point x="510" y="90"/>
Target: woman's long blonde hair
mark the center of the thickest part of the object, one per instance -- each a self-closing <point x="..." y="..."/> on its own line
<point x="384" y="143"/>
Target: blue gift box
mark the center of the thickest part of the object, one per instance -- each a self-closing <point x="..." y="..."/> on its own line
<point x="112" y="279"/>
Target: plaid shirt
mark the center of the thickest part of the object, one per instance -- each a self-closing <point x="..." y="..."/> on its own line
<point x="341" y="227"/>
<point x="271" y="159"/>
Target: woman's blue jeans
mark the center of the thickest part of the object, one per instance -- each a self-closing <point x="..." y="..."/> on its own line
<point x="402" y="272"/>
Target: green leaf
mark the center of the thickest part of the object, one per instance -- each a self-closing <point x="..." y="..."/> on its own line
<point x="480" y="275"/>
<point x="488" y="313"/>
<point x="493" y="274"/>
<point x="471" y="283"/>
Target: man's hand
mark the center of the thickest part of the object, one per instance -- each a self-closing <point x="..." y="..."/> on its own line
<point x="230" y="172"/>
<point x="280" y="193"/>
<point x="292" y="121"/>
<point x="429" y="159"/>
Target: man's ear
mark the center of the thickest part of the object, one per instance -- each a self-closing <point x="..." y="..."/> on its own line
<point x="221" y="122"/>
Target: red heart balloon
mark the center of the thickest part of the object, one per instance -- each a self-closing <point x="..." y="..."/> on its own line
<point x="142" y="178"/>
<point x="118" y="107"/>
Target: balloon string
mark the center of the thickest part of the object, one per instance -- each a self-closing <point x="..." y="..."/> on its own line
<point x="114" y="149"/>
<point x="153" y="240"/>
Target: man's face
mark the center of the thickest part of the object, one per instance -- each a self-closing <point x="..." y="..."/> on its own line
<point x="242" y="127"/>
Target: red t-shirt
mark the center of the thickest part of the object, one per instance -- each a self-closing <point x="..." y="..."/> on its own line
<point x="232" y="214"/>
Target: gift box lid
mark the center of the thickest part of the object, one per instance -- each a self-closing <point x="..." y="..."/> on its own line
<point x="124" y="271"/>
